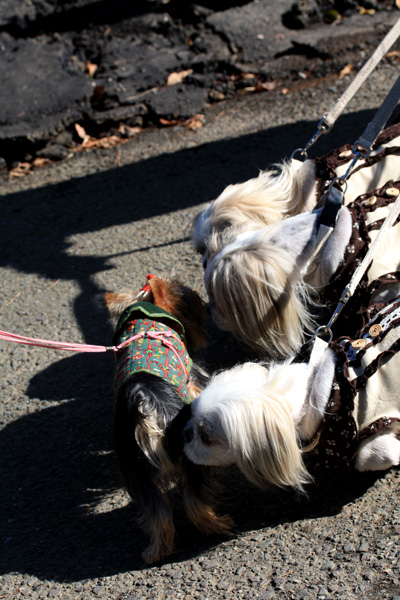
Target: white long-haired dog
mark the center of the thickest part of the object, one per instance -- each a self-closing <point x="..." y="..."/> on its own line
<point x="263" y="285"/>
<point x="285" y="189"/>
<point x="292" y="187"/>
<point x="343" y="406"/>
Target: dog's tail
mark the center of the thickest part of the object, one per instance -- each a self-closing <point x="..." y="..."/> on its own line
<point x="144" y="407"/>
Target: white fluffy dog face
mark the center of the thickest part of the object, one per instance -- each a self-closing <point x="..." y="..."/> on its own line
<point x="243" y="417"/>
<point x="218" y="414"/>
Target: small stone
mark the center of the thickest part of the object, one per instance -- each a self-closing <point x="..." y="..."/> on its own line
<point x="176" y="575"/>
<point x="210" y="565"/>
<point x="267" y="595"/>
<point x="98" y="590"/>
<point x="224" y="584"/>
<point x="329" y="566"/>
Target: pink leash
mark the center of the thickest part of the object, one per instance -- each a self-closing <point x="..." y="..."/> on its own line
<point x="21" y="339"/>
<point x="72" y="347"/>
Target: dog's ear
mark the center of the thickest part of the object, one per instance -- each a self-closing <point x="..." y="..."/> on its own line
<point x="186" y="305"/>
<point x="116" y="303"/>
<point x="160" y="290"/>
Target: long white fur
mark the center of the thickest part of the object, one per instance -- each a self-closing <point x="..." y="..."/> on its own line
<point x="256" y="418"/>
<point x="260" y="283"/>
<point x="285" y="189"/>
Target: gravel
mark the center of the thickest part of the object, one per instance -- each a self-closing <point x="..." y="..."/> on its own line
<point x="102" y="220"/>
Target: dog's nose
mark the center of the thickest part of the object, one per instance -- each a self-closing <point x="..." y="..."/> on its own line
<point x="188" y="434"/>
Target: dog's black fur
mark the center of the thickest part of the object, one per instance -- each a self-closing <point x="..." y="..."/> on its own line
<point x="149" y="420"/>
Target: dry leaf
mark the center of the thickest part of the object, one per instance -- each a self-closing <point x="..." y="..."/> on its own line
<point x="398" y="3"/>
<point x="195" y="122"/>
<point x="80" y="131"/>
<point x="21" y="169"/>
<point x="106" y="142"/>
<point x="175" y="78"/>
<point x="366" y="11"/>
<point x="41" y="162"/>
<point x="91" y="68"/>
<point x="285" y="91"/>
<point x="128" y="131"/>
<point x="167" y="123"/>
<point x="82" y="134"/>
<point x="266" y="85"/>
<point x="346" y="70"/>
<point x="395" y="54"/>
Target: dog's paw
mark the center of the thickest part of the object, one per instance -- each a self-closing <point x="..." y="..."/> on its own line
<point x="155" y="553"/>
<point x="212" y="524"/>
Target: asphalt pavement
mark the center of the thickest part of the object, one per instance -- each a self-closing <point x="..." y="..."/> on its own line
<point x="101" y="219"/>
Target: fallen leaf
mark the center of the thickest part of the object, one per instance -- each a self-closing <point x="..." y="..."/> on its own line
<point x="346" y="71"/>
<point x="394" y="53"/>
<point x="285" y="91"/>
<point x="80" y="131"/>
<point x="106" y="142"/>
<point x="82" y="134"/>
<point x="266" y="85"/>
<point x="128" y="131"/>
<point x="174" y="78"/>
<point x="91" y="68"/>
<point x="167" y="123"/>
<point x="41" y="162"/>
<point x="195" y="122"/>
<point x="366" y="11"/>
<point x="398" y="3"/>
<point x="21" y="169"/>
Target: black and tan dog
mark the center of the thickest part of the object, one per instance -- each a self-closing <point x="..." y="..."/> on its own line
<point x="155" y="381"/>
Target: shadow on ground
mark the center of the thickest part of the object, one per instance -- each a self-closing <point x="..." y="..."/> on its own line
<point x="59" y="471"/>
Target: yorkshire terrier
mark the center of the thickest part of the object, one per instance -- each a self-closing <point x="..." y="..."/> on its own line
<point x="155" y="381"/>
